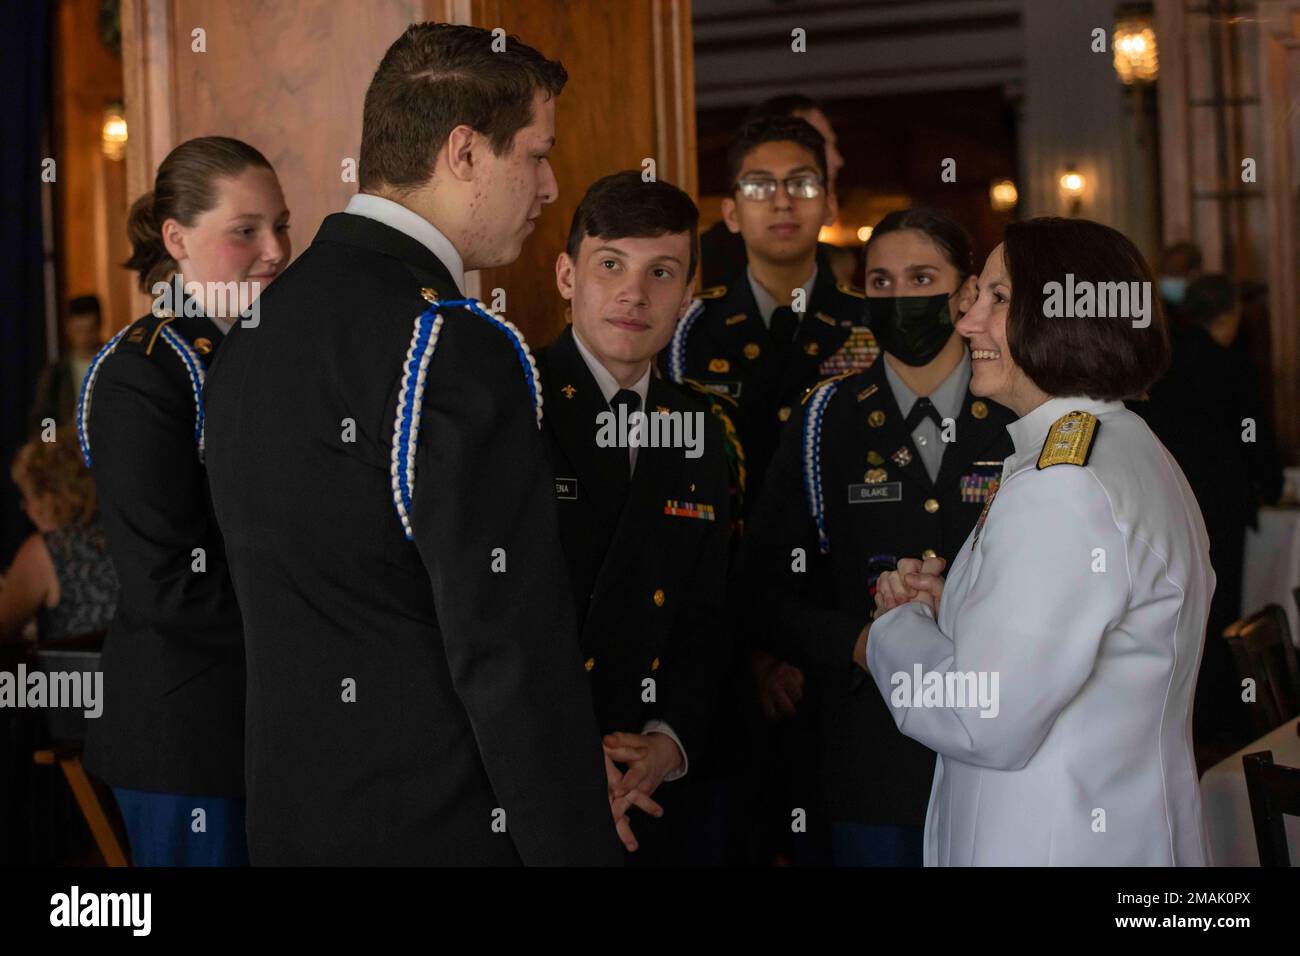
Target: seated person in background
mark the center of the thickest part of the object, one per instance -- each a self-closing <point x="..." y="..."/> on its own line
<point x="644" y="529"/>
<point x="62" y="575"/>
<point x="59" y="386"/>
<point x="1202" y="410"/>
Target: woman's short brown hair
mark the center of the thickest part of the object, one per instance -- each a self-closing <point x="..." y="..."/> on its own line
<point x="1104" y="358"/>
<point x="53" y="473"/>
<point x="435" y="77"/>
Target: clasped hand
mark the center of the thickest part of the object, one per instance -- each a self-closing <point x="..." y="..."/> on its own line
<point x="648" y="759"/>
<point x="914" y="580"/>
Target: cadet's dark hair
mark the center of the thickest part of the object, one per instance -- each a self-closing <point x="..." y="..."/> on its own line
<point x="435" y="77"/>
<point x="184" y="189"/>
<point x="783" y="104"/>
<point x="1207" y="298"/>
<point x="775" y="129"/>
<point x="1103" y="358"/>
<point x="623" y="206"/>
<point x="946" y="233"/>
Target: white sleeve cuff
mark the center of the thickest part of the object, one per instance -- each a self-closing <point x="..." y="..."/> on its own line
<point x="660" y="727"/>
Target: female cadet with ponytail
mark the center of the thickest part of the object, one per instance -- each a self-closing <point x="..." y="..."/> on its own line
<point x="892" y="461"/>
<point x="171" y="738"/>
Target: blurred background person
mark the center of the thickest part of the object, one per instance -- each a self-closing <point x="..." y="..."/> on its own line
<point x="1202" y="410"/>
<point x="61" y="577"/>
<point x="171" y="737"/>
<point x="1180" y="265"/>
<point x="59" y="386"/>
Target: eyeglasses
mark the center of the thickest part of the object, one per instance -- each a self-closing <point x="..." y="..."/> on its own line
<point x="760" y="188"/>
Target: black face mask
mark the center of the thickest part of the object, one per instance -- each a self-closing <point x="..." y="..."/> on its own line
<point x="912" y="328"/>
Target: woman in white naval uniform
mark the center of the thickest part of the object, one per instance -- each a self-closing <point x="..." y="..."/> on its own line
<point x="1074" y="616"/>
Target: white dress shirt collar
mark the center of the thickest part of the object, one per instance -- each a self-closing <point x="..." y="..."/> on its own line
<point x="414" y="225"/>
<point x="607" y="383"/>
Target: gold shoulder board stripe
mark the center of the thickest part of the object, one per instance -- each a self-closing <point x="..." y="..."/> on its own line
<point x="714" y="292"/>
<point x="826" y="381"/>
<point x="848" y="289"/>
<point x="1069" y="441"/>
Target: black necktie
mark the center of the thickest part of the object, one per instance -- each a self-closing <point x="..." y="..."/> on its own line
<point x="784" y="324"/>
<point x="630" y="400"/>
<point x="924" y="408"/>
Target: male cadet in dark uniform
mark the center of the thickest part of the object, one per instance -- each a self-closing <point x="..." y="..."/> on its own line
<point x="645" y="526"/>
<point x="894" y="461"/>
<point x="777" y="328"/>
<point x="415" y="694"/>
<point x="784" y="323"/>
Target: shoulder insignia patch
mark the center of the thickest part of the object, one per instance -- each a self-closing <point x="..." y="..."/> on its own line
<point x="713" y="292"/>
<point x="850" y="289"/>
<point x="1069" y="442"/>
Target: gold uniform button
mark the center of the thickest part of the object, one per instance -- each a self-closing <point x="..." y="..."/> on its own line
<point x="654" y="664"/>
<point x="751" y="351"/>
<point x="659" y="597"/>
<point x="928" y="553"/>
<point x="812" y="348"/>
<point x="203" y="346"/>
<point x="931" y="505"/>
<point x="979" y="409"/>
<point x="591" y="662"/>
<point x="876" y="418"/>
<point x="783" y="413"/>
<point x="719" y="365"/>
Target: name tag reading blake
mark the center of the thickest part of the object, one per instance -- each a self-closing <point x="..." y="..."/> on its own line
<point x="871" y="494"/>
<point x="566" y="488"/>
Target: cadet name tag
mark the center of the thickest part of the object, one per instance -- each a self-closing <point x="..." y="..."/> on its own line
<point x="566" y="488"/>
<point x="730" y="389"/>
<point x="870" y="494"/>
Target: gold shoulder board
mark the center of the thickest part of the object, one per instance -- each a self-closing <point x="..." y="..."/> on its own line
<point x="849" y="289"/>
<point x="1069" y="441"/>
<point x="713" y="292"/>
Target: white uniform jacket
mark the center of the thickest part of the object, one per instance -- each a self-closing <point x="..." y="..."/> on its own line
<point x="1080" y="603"/>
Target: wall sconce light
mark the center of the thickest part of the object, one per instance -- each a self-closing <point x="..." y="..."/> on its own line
<point x="1072" y="186"/>
<point x="113" y="133"/>
<point x="864" y="233"/>
<point x="1134" y="42"/>
<point x="1003" y="195"/>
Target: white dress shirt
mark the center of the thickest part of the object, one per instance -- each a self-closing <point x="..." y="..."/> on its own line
<point x="1086" y="592"/>
<point x="414" y="225"/>
<point x="608" y="388"/>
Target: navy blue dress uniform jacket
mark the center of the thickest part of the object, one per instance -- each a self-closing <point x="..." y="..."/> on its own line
<point x="876" y="511"/>
<point x="648" y="572"/>
<point x="173" y="719"/>
<point x="469" y="707"/>
<point x="729" y="351"/>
